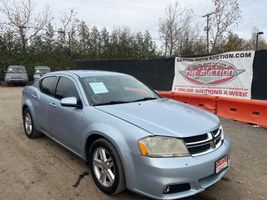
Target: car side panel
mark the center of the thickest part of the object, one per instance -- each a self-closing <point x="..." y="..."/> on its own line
<point x="42" y="108"/>
<point x="27" y="100"/>
<point x="64" y="124"/>
<point x="121" y="134"/>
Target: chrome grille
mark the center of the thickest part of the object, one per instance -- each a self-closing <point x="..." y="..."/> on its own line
<point x="205" y="143"/>
<point x="17" y="76"/>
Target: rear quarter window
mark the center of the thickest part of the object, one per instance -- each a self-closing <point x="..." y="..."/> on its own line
<point x="47" y="85"/>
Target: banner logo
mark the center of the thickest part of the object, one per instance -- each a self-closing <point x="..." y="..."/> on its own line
<point x="211" y="73"/>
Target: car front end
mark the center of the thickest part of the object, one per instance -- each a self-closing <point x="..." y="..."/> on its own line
<point x="172" y="165"/>
<point x="11" y="78"/>
<point x="172" y="175"/>
<point x="39" y="72"/>
<point x="169" y="150"/>
<point x="185" y="150"/>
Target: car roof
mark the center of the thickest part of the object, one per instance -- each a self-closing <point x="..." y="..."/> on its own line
<point x="86" y="73"/>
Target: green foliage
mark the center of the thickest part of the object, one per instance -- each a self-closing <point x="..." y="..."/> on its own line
<point x="51" y="49"/>
<point x="234" y="43"/>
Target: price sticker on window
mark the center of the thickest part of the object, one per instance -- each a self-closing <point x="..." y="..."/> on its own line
<point x="98" y="87"/>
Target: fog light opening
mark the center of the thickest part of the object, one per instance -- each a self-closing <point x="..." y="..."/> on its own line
<point x="169" y="189"/>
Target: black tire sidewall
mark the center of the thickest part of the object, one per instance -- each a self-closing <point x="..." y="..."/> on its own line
<point x="105" y="144"/>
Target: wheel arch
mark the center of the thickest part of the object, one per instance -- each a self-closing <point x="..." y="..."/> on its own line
<point x="91" y="138"/>
<point x="89" y="141"/>
<point x="121" y="181"/>
<point x="125" y="144"/>
<point x="98" y="135"/>
<point x="28" y="105"/>
<point x="24" y="107"/>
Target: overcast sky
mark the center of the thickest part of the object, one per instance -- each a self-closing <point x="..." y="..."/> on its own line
<point x="141" y="15"/>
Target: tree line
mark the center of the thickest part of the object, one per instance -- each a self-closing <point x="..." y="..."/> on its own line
<point x="182" y="35"/>
<point x="29" y="38"/>
<point x="27" y="42"/>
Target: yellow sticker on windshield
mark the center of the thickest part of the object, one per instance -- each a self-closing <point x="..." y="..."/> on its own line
<point x="98" y="87"/>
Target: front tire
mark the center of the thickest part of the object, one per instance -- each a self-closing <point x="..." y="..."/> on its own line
<point x="106" y="167"/>
<point x="28" y="125"/>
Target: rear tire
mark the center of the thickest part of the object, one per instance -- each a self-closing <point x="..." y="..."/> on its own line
<point x="106" y="167"/>
<point x="28" y="125"/>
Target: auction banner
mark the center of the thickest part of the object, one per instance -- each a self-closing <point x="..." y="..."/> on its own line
<point x="227" y="74"/>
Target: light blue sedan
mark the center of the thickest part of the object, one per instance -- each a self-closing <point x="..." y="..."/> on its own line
<point x="130" y="136"/>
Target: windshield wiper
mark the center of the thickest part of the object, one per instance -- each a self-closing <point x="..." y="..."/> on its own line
<point x="121" y="102"/>
<point x="111" y="103"/>
<point x="145" y="99"/>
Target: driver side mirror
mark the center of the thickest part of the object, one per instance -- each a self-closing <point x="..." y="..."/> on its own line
<point x="70" y="102"/>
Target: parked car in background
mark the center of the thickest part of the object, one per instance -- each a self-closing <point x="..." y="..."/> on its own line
<point x="129" y="135"/>
<point x="39" y="71"/>
<point x="16" y="74"/>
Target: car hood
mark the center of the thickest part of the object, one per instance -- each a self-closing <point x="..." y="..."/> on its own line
<point x="165" y="117"/>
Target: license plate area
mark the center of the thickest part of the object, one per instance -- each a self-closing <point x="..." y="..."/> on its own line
<point x="221" y="164"/>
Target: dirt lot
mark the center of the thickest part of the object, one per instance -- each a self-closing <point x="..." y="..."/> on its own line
<point x="41" y="169"/>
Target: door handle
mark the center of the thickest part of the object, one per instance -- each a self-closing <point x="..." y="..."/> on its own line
<point x="53" y="104"/>
<point x="34" y="96"/>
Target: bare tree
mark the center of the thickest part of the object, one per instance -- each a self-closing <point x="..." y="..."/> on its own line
<point x="69" y="28"/>
<point x="19" y="15"/>
<point x="227" y="14"/>
<point x="174" y="28"/>
<point x="251" y="42"/>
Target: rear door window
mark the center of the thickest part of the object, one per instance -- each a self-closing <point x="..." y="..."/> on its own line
<point x="47" y="85"/>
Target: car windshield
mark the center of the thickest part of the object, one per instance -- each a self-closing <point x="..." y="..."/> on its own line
<point x="42" y="71"/>
<point x="16" y="70"/>
<point x="117" y="89"/>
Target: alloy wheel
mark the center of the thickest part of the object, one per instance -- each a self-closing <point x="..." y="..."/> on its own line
<point x="103" y="167"/>
<point x="28" y="123"/>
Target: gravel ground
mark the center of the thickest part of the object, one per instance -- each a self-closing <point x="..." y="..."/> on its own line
<point x="41" y="169"/>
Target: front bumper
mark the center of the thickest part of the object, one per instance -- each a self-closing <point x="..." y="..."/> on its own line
<point x="17" y="80"/>
<point x="149" y="176"/>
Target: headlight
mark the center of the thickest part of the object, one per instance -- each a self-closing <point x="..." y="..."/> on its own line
<point x="7" y="77"/>
<point x="159" y="146"/>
